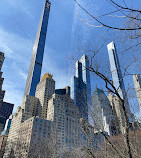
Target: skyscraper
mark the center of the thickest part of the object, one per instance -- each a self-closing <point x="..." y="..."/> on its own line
<point x="1" y="79"/>
<point x="117" y="75"/>
<point x="65" y="116"/>
<point x="102" y="112"/>
<point x="81" y="90"/>
<point x="117" y="112"/>
<point x="45" y="89"/>
<point x="58" y="123"/>
<point x="5" y="108"/>
<point x="137" y="84"/>
<point x="38" y="51"/>
<point x="86" y="77"/>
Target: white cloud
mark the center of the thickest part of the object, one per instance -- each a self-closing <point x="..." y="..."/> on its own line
<point x="12" y="94"/>
<point x="4" y="43"/>
<point x="85" y="31"/>
<point x="20" y="5"/>
<point x="18" y="52"/>
<point x="23" y="74"/>
<point x="14" y="46"/>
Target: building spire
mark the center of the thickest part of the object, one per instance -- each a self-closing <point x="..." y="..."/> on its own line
<point x="35" y="68"/>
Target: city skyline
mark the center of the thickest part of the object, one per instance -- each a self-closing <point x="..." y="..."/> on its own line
<point x="94" y="103"/>
<point x="23" y="35"/>
<point x="72" y="96"/>
<point x="21" y="45"/>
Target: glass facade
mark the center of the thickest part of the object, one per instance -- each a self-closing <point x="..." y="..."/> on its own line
<point x="6" y="110"/>
<point x="38" y="51"/>
<point x="116" y="74"/>
<point x="86" y="76"/>
<point x="81" y="89"/>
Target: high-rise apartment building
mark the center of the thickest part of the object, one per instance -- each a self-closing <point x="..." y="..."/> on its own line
<point x="81" y="89"/>
<point x="86" y="76"/>
<point x="137" y="84"/>
<point x="31" y="105"/>
<point x="38" y="51"/>
<point x="102" y="113"/>
<point x="65" y="116"/>
<point x="1" y="59"/>
<point x="3" y="140"/>
<point x="5" y="108"/>
<point x="27" y="134"/>
<point x="64" y="91"/>
<point x="23" y="113"/>
<point x="32" y="123"/>
<point x="5" y="111"/>
<point x="7" y="125"/>
<point x="117" y="75"/>
<point x="2" y="123"/>
<point x="18" y="118"/>
<point x="1" y="79"/>
<point x="45" y="89"/>
<point x="33" y="132"/>
<point x="117" y="112"/>
<point x="4" y="136"/>
<point x="2" y="92"/>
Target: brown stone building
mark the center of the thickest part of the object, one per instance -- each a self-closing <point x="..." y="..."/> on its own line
<point x="3" y="140"/>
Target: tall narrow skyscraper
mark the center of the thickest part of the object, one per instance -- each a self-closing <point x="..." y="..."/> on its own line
<point x="137" y="84"/>
<point x="102" y="113"/>
<point x="38" y="51"/>
<point x="81" y="89"/>
<point x="117" y="75"/>
<point x="86" y="77"/>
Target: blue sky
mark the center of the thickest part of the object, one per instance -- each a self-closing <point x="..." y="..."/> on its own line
<point x="68" y="38"/>
<point x="18" y="27"/>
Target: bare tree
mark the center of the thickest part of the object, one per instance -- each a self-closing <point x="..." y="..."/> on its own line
<point x="129" y="148"/>
<point x="126" y="25"/>
<point x="133" y="15"/>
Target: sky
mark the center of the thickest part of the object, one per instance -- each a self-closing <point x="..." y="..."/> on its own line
<point x="68" y="38"/>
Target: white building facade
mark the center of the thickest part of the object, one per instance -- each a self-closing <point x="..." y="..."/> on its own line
<point x="137" y="85"/>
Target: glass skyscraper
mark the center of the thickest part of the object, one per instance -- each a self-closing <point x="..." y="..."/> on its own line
<point x="80" y="86"/>
<point x="86" y="77"/>
<point x="117" y="75"/>
<point x="38" y="51"/>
